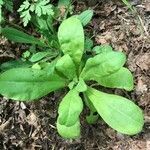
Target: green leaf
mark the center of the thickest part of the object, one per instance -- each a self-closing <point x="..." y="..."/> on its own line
<point x="26" y="54"/>
<point x="25" y="5"/>
<point x="20" y="37"/>
<point x="71" y="38"/>
<point x="102" y="65"/>
<point x="92" y="118"/>
<point x="128" y="4"/>
<point x="26" y="17"/>
<point x="85" y="17"/>
<point x="66" y="66"/>
<point x="15" y="64"/>
<point x="104" y="48"/>
<point x="122" y="79"/>
<point x="24" y="10"/>
<point x="40" y="7"/>
<point x="65" y="3"/>
<point x="49" y="67"/>
<point x="70" y="108"/>
<point x="72" y="132"/>
<point x="118" y="112"/>
<point x="88" y="44"/>
<point x="9" y="5"/>
<point x="89" y="104"/>
<point x="38" y="56"/>
<point x="1" y="2"/>
<point x="28" y="84"/>
<point x="1" y="16"/>
<point x="41" y="23"/>
<point x="36" y="66"/>
<point x="81" y="86"/>
<point x="43" y="8"/>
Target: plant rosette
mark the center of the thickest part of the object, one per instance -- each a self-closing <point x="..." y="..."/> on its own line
<point x="71" y="70"/>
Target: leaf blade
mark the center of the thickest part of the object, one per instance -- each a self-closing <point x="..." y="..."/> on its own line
<point x="68" y="124"/>
<point x="85" y="17"/>
<point x="20" y="37"/>
<point x="69" y="132"/>
<point x="118" y="112"/>
<point x="70" y="108"/>
<point x="38" y="56"/>
<point x="28" y="84"/>
<point x="71" y="38"/>
<point x="66" y="66"/>
<point x="122" y="79"/>
<point x="104" y="48"/>
<point x="102" y="65"/>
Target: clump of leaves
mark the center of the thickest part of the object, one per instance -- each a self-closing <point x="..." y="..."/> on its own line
<point x="48" y="44"/>
<point x="38" y="7"/>
<point x="72" y="70"/>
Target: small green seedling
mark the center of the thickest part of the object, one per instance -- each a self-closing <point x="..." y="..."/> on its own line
<point x="72" y="70"/>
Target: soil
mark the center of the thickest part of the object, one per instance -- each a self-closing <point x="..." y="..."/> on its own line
<point x="31" y="126"/>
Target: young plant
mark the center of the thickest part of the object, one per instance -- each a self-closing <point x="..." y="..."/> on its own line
<point x="74" y="71"/>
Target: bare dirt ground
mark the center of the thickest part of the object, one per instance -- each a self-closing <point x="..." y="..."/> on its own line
<point x="31" y="126"/>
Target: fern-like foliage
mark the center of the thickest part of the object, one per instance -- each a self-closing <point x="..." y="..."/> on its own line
<point x="43" y="8"/>
<point x="39" y="7"/>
